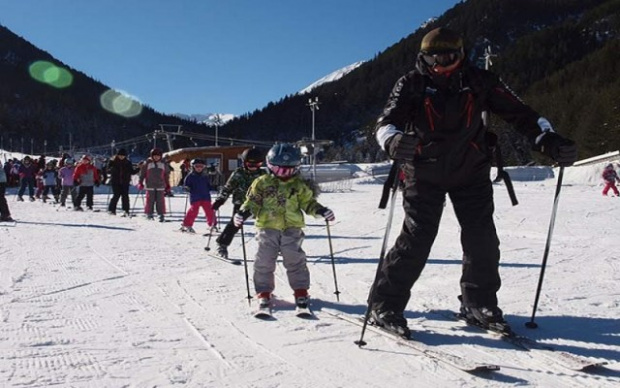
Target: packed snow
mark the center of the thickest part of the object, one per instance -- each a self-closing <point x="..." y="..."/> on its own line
<point x="93" y="300"/>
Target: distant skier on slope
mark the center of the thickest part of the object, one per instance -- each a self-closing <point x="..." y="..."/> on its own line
<point x="432" y="123"/>
<point x="610" y="177"/>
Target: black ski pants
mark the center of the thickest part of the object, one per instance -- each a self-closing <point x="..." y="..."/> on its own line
<point x="119" y="192"/>
<point x="423" y="205"/>
<point x="227" y="235"/>
<point x="84" y="191"/>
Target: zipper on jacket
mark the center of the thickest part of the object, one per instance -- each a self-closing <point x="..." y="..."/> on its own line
<point x="430" y="111"/>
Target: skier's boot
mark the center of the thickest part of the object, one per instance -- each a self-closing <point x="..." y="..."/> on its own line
<point x="391" y="321"/>
<point x="490" y="318"/>
<point x="222" y="250"/>
<point x="264" y="299"/>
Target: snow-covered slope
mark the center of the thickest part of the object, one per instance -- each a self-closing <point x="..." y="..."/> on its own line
<point x="208" y="119"/>
<point x="92" y="300"/>
<point x="333" y="76"/>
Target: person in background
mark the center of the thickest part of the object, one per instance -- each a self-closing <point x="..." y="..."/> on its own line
<point x="120" y="170"/>
<point x="199" y="188"/>
<point x="49" y="178"/>
<point x="5" y="214"/>
<point x="154" y="178"/>
<point x="27" y="175"/>
<point x="85" y="176"/>
<point x="278" y="202"/>
<point x="432" y="126"/>
<point x="610" y="177"/>
<point x="65" y="174"/>
<point x="237" y="186"/>
<point x="38" y="180"/>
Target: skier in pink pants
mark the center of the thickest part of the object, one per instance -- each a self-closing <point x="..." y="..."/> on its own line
<point x="197" y="183"/>
<point x="610" y="177"/>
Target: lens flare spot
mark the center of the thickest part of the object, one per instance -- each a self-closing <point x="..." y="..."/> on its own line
<point x="50" y="74"/>
<point x="120" y="103"/>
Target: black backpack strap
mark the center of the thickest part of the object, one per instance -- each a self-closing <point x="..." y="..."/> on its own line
<point x="389" y="183"/>
<point x="496" y="154"/>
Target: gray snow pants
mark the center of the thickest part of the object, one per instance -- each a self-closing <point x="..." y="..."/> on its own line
<point x="288" y="242"/>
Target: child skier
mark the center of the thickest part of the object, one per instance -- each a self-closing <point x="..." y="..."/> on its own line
<point x="237" y="186"/>
<point x="49" y="177"/>
<point x="277" y="200"/>
<point x="199" y="188"/>
<point x="610" y="177"/>
<point x="86" y="176"/>
<point x="66" y="181"/>
<point x="154" y="178"/>
<point x="27" y="175"/>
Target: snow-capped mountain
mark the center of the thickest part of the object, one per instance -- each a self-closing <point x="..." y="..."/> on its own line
<point x="333" y="76"/>
<point x="209" y="119"/>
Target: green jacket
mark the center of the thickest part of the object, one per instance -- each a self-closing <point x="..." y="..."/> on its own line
<point x="278" y="204"/>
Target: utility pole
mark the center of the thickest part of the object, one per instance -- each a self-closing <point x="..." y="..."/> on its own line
<point x="217" y="120"/>
<point x="31" y="146"/>
<point x="314" y="106"/>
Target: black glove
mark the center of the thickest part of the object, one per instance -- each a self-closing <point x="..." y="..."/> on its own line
<point x="563" y="151"/>
<point x="217" y="203"/>
<point x="326" y="213"/>
<point x="402" y="146"/>
<point x="77" y="182"/>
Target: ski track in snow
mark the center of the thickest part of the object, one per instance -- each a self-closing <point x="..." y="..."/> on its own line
<point x="88" y="299"/>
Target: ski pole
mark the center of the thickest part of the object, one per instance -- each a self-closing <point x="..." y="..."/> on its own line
<point x="245" y="265"/>
<point x="531" y="324"/>
<point x="108" y="197"/>
<point x="388" y="227"/>
<point x="135" y="202"/>
<point x="208" y="247"/>
<point x="186" y="200"/>
<point x="331" y="253"/>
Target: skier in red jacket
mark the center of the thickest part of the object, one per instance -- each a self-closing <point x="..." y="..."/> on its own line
<point x="610" y="177"/>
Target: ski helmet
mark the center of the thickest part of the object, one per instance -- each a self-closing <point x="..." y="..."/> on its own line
<point x="252" y="158"/>
<point x="441" y="51"/>
<point x="69" y="161"/>
<point x="156" y="151"/>
<point x="198" y="161"/>
<point x="283" y="160"/>
<point x="85" y="158"/>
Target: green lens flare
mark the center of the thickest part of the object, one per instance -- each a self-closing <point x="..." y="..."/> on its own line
<point x="120" y="104"/>
<point x="50" y="74"/>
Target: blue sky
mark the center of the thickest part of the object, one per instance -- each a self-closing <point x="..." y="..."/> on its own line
<point x="204" y="56"/>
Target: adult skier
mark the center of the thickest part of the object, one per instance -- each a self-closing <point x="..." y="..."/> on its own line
<point x="432" y="124"/>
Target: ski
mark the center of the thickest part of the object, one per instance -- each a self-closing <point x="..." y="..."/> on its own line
<point x="263" y="312"/>
<point x="563" y="358"/>
<point x="225" y="259"/>
<point x="303" y="312"/>
<point x="443" y="357"/>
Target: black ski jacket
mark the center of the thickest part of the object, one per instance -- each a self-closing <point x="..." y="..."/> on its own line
<point x="120" y="171"/>
<point x="451" y="116"/>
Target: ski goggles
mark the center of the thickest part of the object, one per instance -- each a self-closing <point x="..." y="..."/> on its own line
<point x="253" y="164"/>
<point x="444" y="59"/>
<point x="283" y="171"/>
